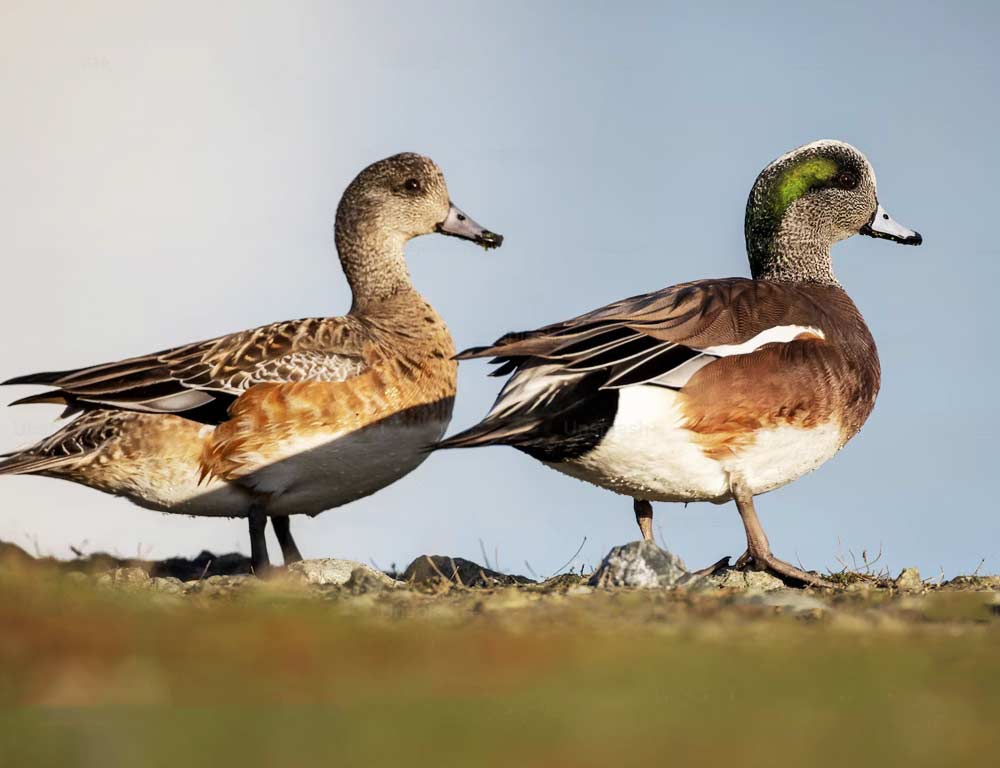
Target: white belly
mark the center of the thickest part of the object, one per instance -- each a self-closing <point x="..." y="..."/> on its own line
<point x="783" y="454"/>
<point x="649" y="454"/>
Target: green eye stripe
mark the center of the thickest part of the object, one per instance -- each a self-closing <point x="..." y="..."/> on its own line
<point x="799" y="179"/>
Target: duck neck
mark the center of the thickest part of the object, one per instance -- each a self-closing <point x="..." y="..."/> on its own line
<point x="372" y="259"/>
<point x="791" y="254"/>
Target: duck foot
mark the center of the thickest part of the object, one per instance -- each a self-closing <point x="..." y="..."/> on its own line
<point x="758" y="555"/>
<point x="784" y="571"/>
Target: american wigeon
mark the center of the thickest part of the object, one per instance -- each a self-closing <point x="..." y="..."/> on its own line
<point x="291" y="418"/>
<point x="716" y="389"/>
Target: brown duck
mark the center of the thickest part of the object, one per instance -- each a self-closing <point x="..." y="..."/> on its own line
<point x="291" y="418"/>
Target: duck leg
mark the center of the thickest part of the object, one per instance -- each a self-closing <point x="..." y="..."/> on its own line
<point x="758" y="548"/>
<point x="260" y="564"/>
<point x="283" y="530"/>
<point x="644" y="517"/>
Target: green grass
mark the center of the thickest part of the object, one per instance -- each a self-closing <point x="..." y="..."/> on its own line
<point x="96" y="678"/>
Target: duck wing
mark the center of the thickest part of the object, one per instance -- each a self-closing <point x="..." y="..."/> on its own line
<point x="662" y="338"/>
<point x="205" y="377"/>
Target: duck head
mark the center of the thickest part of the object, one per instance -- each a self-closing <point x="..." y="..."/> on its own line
<point x="807" y="200"/>
<point x="389" y="203"/>
<point x="406" y="195"/>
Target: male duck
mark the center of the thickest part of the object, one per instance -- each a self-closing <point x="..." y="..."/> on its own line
<point x="716" y="389"/>
<point x="291" y="418"/>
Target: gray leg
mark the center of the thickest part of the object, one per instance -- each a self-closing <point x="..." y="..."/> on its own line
<point x="644" y="517"/>
<point x="759" y="549"/>
<point x="283" y="530"/>
<point x="259" y="561"/>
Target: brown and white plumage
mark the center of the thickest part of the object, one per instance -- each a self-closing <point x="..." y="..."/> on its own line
<point x="213" y="372"/>
<point x="290" y="418"/>
<point x="716" y="389"/>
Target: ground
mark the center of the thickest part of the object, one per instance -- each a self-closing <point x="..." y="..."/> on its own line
<point x="102" y="665"/>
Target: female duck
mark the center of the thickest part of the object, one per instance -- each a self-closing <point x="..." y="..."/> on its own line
<point x="717" y="389"/>
<point x="291" y="418"/>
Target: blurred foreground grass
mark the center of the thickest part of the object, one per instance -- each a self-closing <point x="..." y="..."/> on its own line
<point x="510" y="677"/>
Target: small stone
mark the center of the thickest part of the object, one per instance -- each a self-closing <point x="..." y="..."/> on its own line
<point x="205" y="565"/>
<point x="457" y="570"/>
<point x="218" y="586"/>
<point x="167" y="585"/>
<point x="752" y="582"/>
<point x="124" y="577"/>
<point x="974" y="583"/>
<point x="331" y="571"/>
<point x="364" y="579"/>
<point x="909" y="580"/>
<point x="639" y="564"/>
<point x="563" y="582"/>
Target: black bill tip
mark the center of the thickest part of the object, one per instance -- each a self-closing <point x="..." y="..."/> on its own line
<point x="489" y="239"/>
<point x="914" y="238"/>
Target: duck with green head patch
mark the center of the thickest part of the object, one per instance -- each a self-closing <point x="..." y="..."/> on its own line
<point x="719" y="389"/>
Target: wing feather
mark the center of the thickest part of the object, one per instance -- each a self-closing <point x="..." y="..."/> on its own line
<point x="195" y="375"/>
<point x="662" y="338"/>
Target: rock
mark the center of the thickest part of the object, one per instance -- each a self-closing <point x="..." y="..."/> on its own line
<point x="563" y="582"/>
<point x="123" y="577"/>
<point x="909" y="580"/>
<point x="752" y="582"/>
<point x="218" y="586"/>
<point x="330" y="571"/>
<point x="639" y="564"/>
<point x="457" y="570"/>
<point x="365" y="579"/>
<point x="973" y="583"/>
<point x="206" y="564"/>
<point x="167" y="585"/>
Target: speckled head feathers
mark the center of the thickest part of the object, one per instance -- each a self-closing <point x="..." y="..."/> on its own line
<point x="387" y="204"/>
<point x="404" y="194"/>
<point x="804" y="202"/>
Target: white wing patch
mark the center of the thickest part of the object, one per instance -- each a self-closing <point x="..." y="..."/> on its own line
<point x="533" y="388"/>
<point x="778" y="334"/>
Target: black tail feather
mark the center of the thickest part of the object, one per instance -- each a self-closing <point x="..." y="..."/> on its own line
<point x="470" y="353"/>
<point x="46" y="378"/>
<point x="58" y="398"/>
<point x="487" y="433"/>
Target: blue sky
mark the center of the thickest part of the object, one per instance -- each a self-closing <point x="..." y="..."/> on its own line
<point x="171" y="172"/>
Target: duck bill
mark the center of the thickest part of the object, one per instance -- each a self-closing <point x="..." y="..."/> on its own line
<point x="457" y="224"/>
<point x="883" y="226"/>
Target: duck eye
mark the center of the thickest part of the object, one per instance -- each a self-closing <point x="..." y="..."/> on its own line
<point x="411" y="185"/>
<point x="847" y="180"/>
